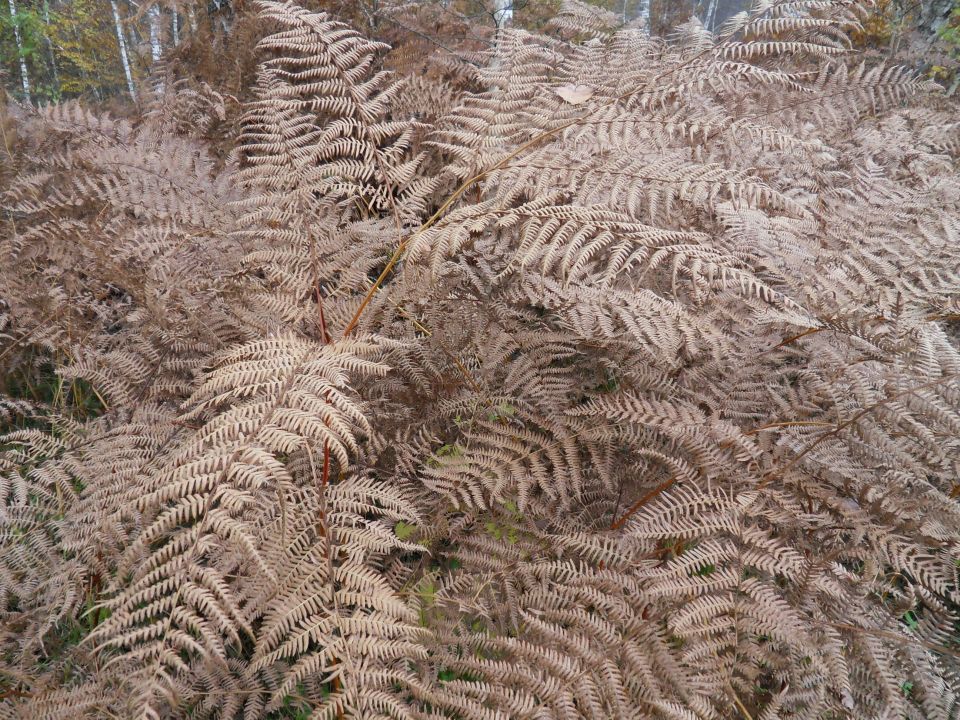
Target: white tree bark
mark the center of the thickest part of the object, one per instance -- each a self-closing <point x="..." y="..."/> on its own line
<point x="643" y="14"/>
<point x="640" y="11"/>
<point x="176" y="27"/>
<point x="502" y="12"/>
<point x="710" y="16"/>
<point x="124" y="58"/>
<point x="156" y="49"/>
<point x="49" y="43"/>
<point x="24" y="75"/>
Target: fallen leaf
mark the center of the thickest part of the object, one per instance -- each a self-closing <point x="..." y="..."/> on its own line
<point x="574" y="94"/>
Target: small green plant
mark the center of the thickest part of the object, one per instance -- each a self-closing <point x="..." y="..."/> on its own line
<point x="404" y="530"/>
<point x="501" y="413"/>
<point x="293" y="707"/>
<point x="705" y="570"/>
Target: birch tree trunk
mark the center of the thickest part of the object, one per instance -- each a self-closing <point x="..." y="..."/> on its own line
<point x="640" y="11"/>
<point x="156" y="49"/>
<point x="643" y="14"/>
<point x="175" y="27"/>
<point x="124" y="58"/>
<point x="24" y="76"/>
<point x="502" y="12"/>
<point x="710" y="16"/>
<point x="52" y="55"/>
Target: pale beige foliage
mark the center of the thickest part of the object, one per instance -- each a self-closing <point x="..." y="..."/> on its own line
<point x="622" y="383"/>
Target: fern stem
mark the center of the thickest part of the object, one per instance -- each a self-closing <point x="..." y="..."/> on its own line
<point x="619" y="523"/>
<point x="739" y="703"/>
<point x="789" y="423"/>
<point x="432" y="220"/>
<point x="865" y="411"/>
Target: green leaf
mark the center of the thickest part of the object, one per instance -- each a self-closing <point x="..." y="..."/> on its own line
<point x="705" y="570"/>
<point x="428" y="592"/>
<point x="404" y="530"/>
<point x="501" y="412"/>
<point x="494" y="529"/>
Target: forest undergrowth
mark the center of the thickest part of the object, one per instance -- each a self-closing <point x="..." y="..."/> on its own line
<point x="587" y="374"/>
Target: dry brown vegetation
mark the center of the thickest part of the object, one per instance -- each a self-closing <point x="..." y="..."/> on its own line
<point x="587" y="375"/>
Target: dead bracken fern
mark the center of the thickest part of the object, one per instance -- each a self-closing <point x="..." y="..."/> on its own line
<point x="610" y="377"/>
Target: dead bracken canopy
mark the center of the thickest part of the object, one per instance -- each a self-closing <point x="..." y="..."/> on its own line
<point x="623" y="382"/>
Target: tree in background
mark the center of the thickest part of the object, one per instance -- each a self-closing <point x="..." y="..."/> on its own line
<point x="922" y="35"/>
<point x="88" y="50"/>
<point x="24" y="51"/>
<point x="107" y="48"/>
<point x="949" y="33"/>
<point x="97" y="49"/>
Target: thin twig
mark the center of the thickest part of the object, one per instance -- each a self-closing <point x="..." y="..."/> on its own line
<point x="503" y="162"/>
<point x="740" y="706"/>
<point x="842" y="426"/>
<point x="619" y="523"/>
<point x="426" y="37"/>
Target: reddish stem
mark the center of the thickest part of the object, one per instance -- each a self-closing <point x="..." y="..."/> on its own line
<point x="619" y="523"/>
